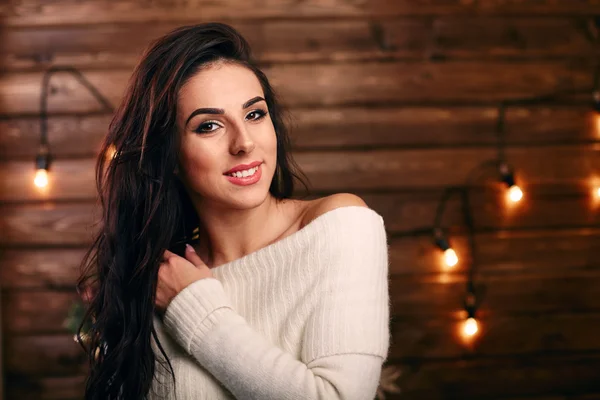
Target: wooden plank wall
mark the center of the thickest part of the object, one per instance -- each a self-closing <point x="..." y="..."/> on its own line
<point x="394" y="100"/>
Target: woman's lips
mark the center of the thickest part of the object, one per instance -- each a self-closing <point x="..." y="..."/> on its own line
<point x="248" y="180"/>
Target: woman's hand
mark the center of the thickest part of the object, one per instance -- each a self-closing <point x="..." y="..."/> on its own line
<point x="176" y="273"/>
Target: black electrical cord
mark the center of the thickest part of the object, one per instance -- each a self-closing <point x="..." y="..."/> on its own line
<point x="44" y="99"/>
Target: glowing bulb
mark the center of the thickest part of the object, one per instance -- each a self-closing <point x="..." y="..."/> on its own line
<point x="515" y="193"/>
<point x="450" y="257"/>
<point x="470" y="327"/>
<point x="41" y="178"/>
<point x="597" y="191"/>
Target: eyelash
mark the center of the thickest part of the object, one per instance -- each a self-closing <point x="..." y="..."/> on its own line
<point x="261" y="115"/>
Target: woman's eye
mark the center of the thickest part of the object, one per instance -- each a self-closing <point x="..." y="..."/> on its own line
<point x="258" y="113"/>
<point x="206" y="127"/>
<point x="203" y="127"/>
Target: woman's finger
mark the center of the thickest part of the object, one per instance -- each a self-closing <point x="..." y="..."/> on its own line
<point x="193" y="257"/>
<point x="167" y="254"/>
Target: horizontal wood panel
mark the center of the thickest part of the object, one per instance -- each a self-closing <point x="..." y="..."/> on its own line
<point x="35" y="311"/>
<point x="48" y="224"/>
<point x="517" y="294"/>
<point x="119" y="46"/>
<point x="38" y="13"/>
<point x="71" y="388"/>
<point x="484" y="37"/>
<point x="578" y="396"/>
<point x="350" y="170"/>
<point x="424" y="339"/>
<point x="67" y="135"/>
<point x="315" y="84"/>
<point x="55" y="355"/>
<point x="40" y="268"/>
<point x="504" y="378"/>
<point x="420" y="339"/>
<point x="498" y="254"/>
<point x="45" y="388"/>
<point x="73" y="223"/>
<point x="338" y="128"/>
<point x="503" y="253"/>
<point x="416" y="297"/>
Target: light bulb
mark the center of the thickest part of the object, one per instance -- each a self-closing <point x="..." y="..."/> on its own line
<point x="515" y="193"/>
<point x="597" y="191"/>
<point x="41" y="178"/>
<point x="470" y="327"/>
<point x="450" y="257"/>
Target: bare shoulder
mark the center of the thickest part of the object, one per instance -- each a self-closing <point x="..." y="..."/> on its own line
<point x="329" y="203"/>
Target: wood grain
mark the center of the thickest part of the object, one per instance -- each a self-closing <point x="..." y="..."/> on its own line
<point x="40" y="268"/>
<point x="391" y="100"/>
<point x="319" y="84"/>
<point x="412" y="297"/>
<point x="79" y="136"/>
<point x="55" y="355"/>
<point x="69" y="12"/>
<point x="405" y="213"/>
<point x="520" y="293"/>
<point x="49" y="224"/>
<point x="499" y="336"/>
<point x="45" y="388"/>
<point x="446" y="37"/>
<point x="36" y="311"/>
<point x="501" y="378"/>
<point x="353" y="170"/>
<point x="71" y="388"/>
<point x="425" y="340"/>
<point x="498" y="254"/>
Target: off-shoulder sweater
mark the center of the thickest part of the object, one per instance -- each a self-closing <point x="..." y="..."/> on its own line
<point x="306" y="317"/>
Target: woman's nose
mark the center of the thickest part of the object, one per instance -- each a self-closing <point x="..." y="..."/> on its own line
<point x="242" y="140"/>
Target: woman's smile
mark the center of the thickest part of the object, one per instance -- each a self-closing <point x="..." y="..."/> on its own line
<point x="246" y="177"/>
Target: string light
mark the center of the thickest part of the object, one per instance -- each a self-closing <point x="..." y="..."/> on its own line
<point x="450" y="257"/>
<point x="515" y="194"/>
<point x="470" y="327"/>
<point x="43" y="158"/>
<point x="42" y="163"/>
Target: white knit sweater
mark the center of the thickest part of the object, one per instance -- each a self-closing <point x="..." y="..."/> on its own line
<point x="306" y="317"/>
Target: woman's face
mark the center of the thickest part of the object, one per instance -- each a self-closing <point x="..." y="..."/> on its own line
<point x="233" y="128"/>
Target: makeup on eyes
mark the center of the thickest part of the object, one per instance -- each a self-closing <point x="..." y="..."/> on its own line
<point x="261" y="114"/>
<point x="211" y="110"/>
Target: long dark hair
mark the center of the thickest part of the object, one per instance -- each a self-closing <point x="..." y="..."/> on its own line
<point x="145" y="208"/>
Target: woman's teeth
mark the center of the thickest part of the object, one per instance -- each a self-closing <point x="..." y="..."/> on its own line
<point x="245" y="173"/>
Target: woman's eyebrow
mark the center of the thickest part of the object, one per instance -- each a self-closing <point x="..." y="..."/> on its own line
<point x="220" y="110"/>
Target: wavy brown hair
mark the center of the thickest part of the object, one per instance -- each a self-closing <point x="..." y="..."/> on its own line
<point x="145" y="208"/>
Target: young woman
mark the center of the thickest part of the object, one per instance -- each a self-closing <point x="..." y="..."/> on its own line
<point x="210" y="281"/>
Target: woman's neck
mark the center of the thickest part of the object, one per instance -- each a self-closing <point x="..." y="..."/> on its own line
<point x="227" y="237"/>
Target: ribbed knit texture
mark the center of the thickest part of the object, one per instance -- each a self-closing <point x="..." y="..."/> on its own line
<point x="306" y="317"/>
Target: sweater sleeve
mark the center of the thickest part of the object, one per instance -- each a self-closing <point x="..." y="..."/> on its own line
<point x="352" y="314"/>
<point x="337" y="362"/>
